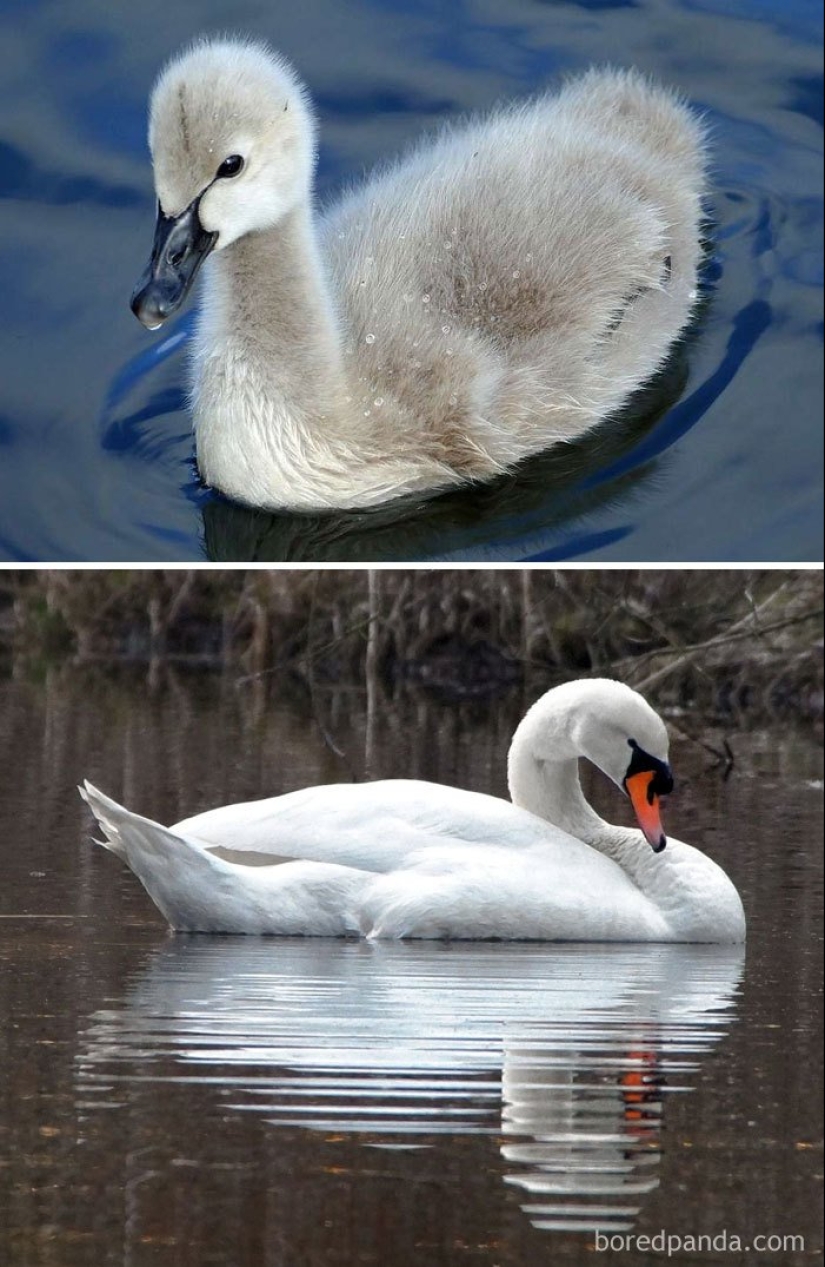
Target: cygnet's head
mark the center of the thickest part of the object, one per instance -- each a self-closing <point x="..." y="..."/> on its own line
<point x="233" y="148"/>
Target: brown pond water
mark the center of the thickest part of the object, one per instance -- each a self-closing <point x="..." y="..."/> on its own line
<point x="291" y="1103"/>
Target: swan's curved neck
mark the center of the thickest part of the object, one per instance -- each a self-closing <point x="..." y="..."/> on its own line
<point x="552" y="790"/>
<point x="543" y="777"/>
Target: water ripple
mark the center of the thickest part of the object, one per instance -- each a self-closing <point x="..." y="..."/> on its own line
<point x="565" y="1055"/>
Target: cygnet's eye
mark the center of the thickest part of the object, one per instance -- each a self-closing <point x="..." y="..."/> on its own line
<point x="230" y="166"/>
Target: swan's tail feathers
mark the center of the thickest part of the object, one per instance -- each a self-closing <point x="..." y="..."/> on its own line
<point x="129" y="835"/>
<point x="108" y="814"/>
<point x="199" y="892"/>
<point x="178" y="873"/>
<point x="122" y="828"/>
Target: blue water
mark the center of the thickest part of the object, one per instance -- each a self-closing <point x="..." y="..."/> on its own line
<point x="720" y="461"/>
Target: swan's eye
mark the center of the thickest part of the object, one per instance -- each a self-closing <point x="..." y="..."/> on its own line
<point x="661" y="781"/>
<point x="230" y="166"/>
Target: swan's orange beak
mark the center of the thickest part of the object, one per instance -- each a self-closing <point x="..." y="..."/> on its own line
<point x="645" y="804"/>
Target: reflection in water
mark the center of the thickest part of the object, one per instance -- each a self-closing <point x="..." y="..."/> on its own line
<point x="566" y="1054"/>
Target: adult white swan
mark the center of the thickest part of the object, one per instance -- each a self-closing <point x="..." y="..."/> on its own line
<point x="504" y="287"/>
<point x="404" y="858"/>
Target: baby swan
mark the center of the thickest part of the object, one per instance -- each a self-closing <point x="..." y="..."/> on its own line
<point x="405" y="858"/>
<point x="504" y="287"/>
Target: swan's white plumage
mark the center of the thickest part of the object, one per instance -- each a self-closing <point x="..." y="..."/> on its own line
<point x="503" y="287"/>
<point x="403" y="858"/>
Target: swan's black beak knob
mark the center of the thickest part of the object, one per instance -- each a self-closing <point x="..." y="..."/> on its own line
<point x="647" y="780"/>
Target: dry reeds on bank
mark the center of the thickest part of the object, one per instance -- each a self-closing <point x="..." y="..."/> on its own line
<point x="719" y="639"/>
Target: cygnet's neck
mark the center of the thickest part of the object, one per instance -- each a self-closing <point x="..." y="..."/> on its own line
<point x="271" y="286"/>
<point x="278" y="422"/>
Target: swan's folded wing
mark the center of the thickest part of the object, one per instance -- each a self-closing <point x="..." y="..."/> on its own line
<point x="375" y="827"/>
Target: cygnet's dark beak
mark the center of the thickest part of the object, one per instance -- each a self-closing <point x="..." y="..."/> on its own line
<point x="180" y="247"/>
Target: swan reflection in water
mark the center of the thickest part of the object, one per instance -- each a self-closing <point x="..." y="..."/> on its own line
<point x="565" y="1053"/>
